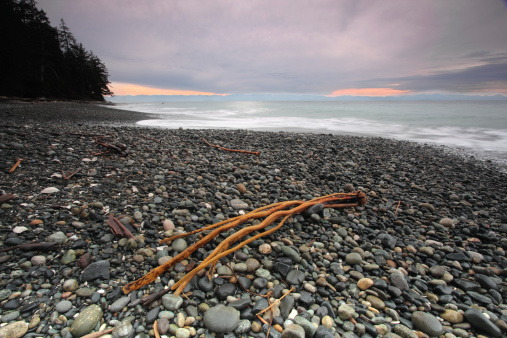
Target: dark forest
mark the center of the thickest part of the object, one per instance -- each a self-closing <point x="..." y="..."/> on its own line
<point x="41" y="61"/>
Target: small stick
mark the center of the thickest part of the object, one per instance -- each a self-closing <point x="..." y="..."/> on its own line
<point x="257" y="153"/>
<point x="276" y="301"/>
<point x="151" y="298"/>
<point x="18" y="161"/>
<point x="98" y="334"/>
<point x="396" y="212"/>
<point x="70" y="174"/>
<point x="155" y="330"/>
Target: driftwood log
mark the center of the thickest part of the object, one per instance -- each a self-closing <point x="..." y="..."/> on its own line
<point x="272" y="212"/>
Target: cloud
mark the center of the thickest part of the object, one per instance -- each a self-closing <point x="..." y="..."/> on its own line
<point x="287" y="46"/>
<point x="368" y="92"/>
<point x="120" y="88"/>
<point x="486" y="73"/>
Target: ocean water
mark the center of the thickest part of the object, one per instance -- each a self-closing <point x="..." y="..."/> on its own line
<point x="476" y="128"/>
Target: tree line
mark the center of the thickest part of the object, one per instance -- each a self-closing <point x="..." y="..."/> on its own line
<point x="38" y="60"/>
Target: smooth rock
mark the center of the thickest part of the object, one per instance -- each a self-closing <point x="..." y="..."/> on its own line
<point x="70" y="285"/>
<point x="293" y="331"/>
<point x="68" y="257"/>
<point x="291" y="253"/>
<point x="96" y="270"/>
<point x="119" y="304"/>
<point x="86" y="320"/>
<point x="172" y="303"/>
<point x="179" y="245"/>
<point x="364" y="283"/>
<point x="58" y="237"/>
<point x="295" y="277"/>
<point x="345" y="311"/>
<point x="38" y="260"/>
<point x="353" y="258"/>
<point x="14" y="330"/>
<point x="427" y="323"/>
<point x="480" y="322"/>
<point x="398" y="280"/>
<point x="63" y="306"/>
<point x="453" y="317"/>
<point x="221" y="319"/>
<point x="238" y="204"/>
<point x="308" y="326"/>
<point x="123" y="330"/>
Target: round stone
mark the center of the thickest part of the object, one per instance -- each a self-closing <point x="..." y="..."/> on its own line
<point x="293" y="331"/>
<point x="376" y="302"/>
<point x="182" y="333"/>
<point x="221" y="319"/>
<point x="265" y="249"/>
<point x="68" y="257"/>
<point x="70" y="285"/>
<point x="263" y="273"/>
<point x="453" y="317"/>
<point x="427" y="323"/>
<point x="364" y="283"/>
<point x="13" y="315"/>
<point x="345" y="311"/>
<point x="86" y="320"/>
<point x="58" y="237"/>
<point x="119" y="304"/>
<point x="14" y="330"/>
<point x="241" y="188"/>
<point x="479" y="321"/>
<point x="63" y="306"/>
<point x="179" y="245"/>
<point x="353" y="258"/>
<point x="291" y="253"/>
<point x="327" y="321"/>
<point x="446" y="222"/>
<point x="38" y="260"/>
<point x="252" y="264"/>
<point x="123" y="330"/>
<point x="168" y="225"/>
<point x="172" y="303"/>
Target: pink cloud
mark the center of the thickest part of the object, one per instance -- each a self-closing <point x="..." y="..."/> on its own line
<point x="368" y="92"/>
<point x="121" y="88"/>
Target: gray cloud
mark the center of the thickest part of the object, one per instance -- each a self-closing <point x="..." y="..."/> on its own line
<point x="289" y="46"/>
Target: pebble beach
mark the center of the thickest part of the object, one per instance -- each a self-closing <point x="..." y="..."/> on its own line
<point x="424" y="257"/>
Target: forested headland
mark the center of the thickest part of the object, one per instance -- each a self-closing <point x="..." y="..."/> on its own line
<point x="38" y="60"/>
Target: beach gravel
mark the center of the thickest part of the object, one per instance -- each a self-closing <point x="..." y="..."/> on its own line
<point x="424" y="256"/>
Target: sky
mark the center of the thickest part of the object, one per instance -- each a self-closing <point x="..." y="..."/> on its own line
<point x="321" y="47"/>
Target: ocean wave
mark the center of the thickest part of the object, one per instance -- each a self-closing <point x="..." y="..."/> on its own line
<point x="480" y="140"/>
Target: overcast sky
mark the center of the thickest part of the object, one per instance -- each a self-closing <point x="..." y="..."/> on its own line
<point x="326" y="47"/>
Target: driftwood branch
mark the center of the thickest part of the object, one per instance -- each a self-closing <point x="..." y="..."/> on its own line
<point x="117" y="148"/>
<point x="271" y="212"/>
<point x="42" y="246"/>
<point x="118" y="228"/>
<point x="257" y="153"/>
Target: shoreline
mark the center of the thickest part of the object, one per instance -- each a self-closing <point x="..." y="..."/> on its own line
<point x="425" y="254"/>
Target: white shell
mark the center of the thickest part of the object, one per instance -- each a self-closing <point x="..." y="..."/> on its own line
<point x="49" y="190"/>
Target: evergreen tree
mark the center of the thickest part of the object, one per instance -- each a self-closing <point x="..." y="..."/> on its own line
<point x="40" y="60"/>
